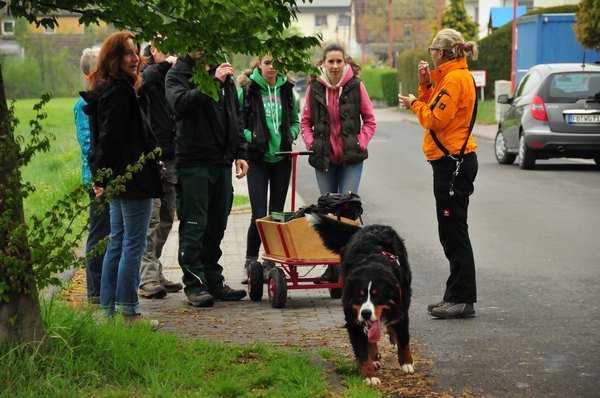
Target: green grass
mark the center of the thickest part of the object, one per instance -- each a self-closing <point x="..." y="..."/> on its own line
<point x="82" y="356"/>
<point x="57" y="171"/>
<point x="486" y="112"/>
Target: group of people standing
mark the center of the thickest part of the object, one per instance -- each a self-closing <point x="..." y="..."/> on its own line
<point x="131" y="108"/>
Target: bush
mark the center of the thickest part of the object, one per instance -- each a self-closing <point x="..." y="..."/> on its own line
<point x="408" y="62"/>
<point x="21" y="78"/>
<point x="59" y="74"/>
<point x="381" y="84"/>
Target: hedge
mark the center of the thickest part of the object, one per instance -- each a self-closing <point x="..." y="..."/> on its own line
<point x="408" y="62"/>
<point x="381" y="84"/>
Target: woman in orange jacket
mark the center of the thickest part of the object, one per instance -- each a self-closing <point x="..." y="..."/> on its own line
<point x="446" y="107"/>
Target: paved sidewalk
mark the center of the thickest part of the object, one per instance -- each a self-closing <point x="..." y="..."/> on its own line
<point x="307" y="314"/>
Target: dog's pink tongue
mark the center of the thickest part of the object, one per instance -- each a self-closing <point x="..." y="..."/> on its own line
<point x="374" y="334"/>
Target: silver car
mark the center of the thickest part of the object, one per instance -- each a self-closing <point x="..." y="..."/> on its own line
<point x="555" y="113"/>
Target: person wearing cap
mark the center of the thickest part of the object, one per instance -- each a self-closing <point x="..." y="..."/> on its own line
<point x="159" y="118"/>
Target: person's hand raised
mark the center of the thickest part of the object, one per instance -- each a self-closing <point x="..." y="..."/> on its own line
<point x="423" y="72"/>
<point x="224" y="71"/>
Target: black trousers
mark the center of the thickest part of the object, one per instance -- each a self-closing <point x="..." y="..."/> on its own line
<point x="204" y="197"/>
<point x="263" y="177"/>
<point x="453" y="229"/>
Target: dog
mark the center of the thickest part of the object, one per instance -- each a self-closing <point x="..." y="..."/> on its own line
<point x="376" y="289"/>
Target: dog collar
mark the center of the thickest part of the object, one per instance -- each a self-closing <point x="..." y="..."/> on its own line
<point x="395" y="260"/>
<point x="392" y="257"/>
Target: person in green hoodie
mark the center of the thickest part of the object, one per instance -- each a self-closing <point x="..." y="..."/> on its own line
<point x="271" y="124"/>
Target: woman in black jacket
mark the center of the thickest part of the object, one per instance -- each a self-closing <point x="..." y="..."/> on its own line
<point x="118" y="139"/>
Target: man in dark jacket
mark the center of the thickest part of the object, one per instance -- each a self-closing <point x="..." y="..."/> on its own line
<point x="159" y="118"/>
<point x="209" y="139"/>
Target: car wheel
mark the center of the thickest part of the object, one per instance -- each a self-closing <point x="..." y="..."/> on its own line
<point x="526" y="155"/>
<point x="500" y="150"/>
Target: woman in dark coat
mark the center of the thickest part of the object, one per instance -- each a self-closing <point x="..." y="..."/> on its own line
<point x="119" y="138"/>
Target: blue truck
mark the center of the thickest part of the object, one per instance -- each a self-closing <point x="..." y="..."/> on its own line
<point x="549" y="38"/>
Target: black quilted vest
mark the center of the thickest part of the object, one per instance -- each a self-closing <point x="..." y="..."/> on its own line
<point x="350" y="124"/>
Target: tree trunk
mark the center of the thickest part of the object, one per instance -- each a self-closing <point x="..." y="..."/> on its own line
<point x="20" y="317"/>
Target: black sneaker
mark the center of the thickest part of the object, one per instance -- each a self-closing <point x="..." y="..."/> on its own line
<point x="200" y="299"/>
<point x="228" y="294"/>
<point x="454" y="310"/>
<point x="432" y="306"/>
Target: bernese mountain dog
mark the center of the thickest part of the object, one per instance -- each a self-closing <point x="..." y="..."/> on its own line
<point x="376" y="289"/>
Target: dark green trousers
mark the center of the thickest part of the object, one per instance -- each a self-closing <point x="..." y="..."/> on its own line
<point x="204" y="198"/>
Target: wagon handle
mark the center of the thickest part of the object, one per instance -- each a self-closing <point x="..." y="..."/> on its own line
<point x="293" y="155"/>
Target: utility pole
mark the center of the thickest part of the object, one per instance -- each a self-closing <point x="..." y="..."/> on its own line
<point x="513" y="63"/>
<point x="363" y="29"/>
<point x="391" y="34"/>
<point x="439" y="14"/>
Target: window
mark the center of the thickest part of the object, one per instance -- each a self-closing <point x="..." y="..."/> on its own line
<point x="321" y="21"/>
<point x="344" y="20"/>
<point x="529" y="82"/>
<point x="408" y="30"/>
<point x="8" y="28"/>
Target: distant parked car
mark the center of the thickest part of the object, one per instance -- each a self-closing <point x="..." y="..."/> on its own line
<point x="555" y="113"/>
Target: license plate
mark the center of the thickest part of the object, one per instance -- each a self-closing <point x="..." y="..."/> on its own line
<point x="575" y="119"/>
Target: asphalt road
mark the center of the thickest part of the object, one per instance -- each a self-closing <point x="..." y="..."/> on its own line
<point x="535" y="237"/>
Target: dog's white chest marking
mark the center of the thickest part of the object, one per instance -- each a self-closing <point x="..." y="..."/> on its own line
<point x="367" y="307"/>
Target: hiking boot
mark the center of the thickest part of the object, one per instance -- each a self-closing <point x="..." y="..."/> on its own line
<point x="228" y="294"/>
<point x="200" y="299"/>
<point x="453" y="310"/>
<point x="435" y="305"/>
<point x="152" y="290"/>
<point x="170" y="286"/>
<point x="139" y="319"/>
<point x="267" y="267"/>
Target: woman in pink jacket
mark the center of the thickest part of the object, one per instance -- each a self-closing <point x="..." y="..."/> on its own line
<point x="337" y="123"/>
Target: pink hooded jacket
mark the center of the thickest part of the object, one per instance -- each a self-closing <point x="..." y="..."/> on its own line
<point x="333" y="105"/>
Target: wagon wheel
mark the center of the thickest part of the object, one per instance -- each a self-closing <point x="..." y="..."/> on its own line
<point x="336" y="292"/>
<point x="255" y="281"/>
<point x="277" y="288"/>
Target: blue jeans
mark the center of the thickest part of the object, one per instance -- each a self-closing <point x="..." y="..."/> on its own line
<point x="99" y="224"/>
<point x="129" y="220"/>
<point x="340" y="178"/>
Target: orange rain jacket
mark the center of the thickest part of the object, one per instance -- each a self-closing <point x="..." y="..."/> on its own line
<point x="446" y="108"/>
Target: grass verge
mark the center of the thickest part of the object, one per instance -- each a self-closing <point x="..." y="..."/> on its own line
<point x="84" y="356"/>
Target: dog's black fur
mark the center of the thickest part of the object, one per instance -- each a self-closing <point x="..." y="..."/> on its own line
<point x="376" y="288"/>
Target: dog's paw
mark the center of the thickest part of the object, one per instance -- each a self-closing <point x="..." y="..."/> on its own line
<point x="377" y="365"/>
<point x="408" y="368"/>
<point x="372" y="381"/>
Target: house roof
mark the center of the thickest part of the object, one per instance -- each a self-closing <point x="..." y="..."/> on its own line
<point x="500" y="16"/>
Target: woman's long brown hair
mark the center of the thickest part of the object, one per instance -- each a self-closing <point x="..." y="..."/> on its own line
<point x="108" y="66"/>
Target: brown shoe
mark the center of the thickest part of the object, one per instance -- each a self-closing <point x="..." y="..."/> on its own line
<point x="170" y="286"/>
<point x="200" y="299"/>
<point x="152" y="290"/>
<point x="228" y="294"/>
